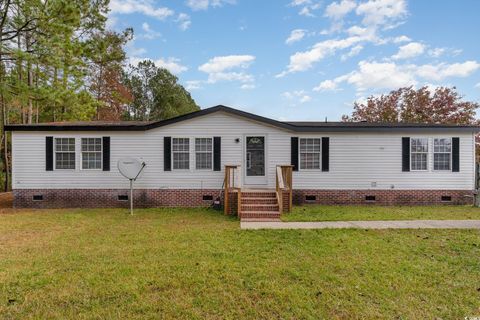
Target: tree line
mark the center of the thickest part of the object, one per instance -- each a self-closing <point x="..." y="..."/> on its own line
<point x="58" y="62"/>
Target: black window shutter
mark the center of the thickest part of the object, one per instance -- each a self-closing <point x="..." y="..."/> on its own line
<point x="455" y="154"/>
<point x="49" y="153"/>
<point x="217" y="153"/>
<point x="106" y="153"/>
<point x="405" y="153"/>
<point x="294" y="153"/>
<point x="325" y="153"/>
<point x="167" y="149"/>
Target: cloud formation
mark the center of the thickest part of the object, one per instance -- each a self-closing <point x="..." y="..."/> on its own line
<point x="228" y="68"/>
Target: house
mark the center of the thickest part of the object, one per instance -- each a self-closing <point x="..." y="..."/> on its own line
<point x="264" y="164"/>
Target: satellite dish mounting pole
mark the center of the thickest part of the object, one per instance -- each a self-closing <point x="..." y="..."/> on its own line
<point x="130" y="168"/>
<point x="131" y="197"/>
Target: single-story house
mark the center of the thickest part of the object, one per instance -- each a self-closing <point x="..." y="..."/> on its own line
<point x="190" y="159"/>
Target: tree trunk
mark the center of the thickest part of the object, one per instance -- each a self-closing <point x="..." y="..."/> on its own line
<point x="29" y="81"/>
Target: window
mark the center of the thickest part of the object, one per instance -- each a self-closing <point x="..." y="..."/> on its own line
<point x="310" y="153"/>
<point x="91" y="153"/>
<point x="442" y="154"/>
<point x="64" y="153"/>
<point x="203" y="153"/>
<point x="181" y="153"/>
<point x="419" y="154"/>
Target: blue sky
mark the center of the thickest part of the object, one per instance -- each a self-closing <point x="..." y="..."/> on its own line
<point x="305" y="59"/>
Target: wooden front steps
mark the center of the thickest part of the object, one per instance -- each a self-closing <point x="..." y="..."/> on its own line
<point x="259" y="205"/>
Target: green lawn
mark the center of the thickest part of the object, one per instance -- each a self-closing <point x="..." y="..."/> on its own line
<point x="339" y="213"/>
<point x="197" y="264"/>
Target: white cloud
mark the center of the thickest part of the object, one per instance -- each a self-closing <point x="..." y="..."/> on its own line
<point x="443" y="70"/>
<point x="171" y="64"/>
<point x="298" y="95"/>
<point x="307" y="6"/>
<point x="353" y="52"/>
<point x="381" y="12"/>
<point x="205" y="4"/>
<point x="296" y="3"/>
<point x="228" y="68"/>
<point x="379" y="75"/>
<point x="327" y="85"/>
<point x="302" y="61"/>
<point x="149" y="33"/>
<point x="389" y="75"/>
<point x="401" y="39"/>
<point x="247" y="86"/>
<point x="145" y="7"/>
<point x="296" y="35"/>
<point x="410" y="50"/>
<point x="436" y="52"/>
<point x="337" y="10"/>
<point x="183" y="21"/>
<point x="376" y="15"/>
<point x="477" y="85"/>
<point x="193" y="85"/>
<point x="220" y="64"/>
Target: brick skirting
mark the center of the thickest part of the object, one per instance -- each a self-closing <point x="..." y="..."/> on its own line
<point x="383" y="197"/>
<point x="109" y="198"/>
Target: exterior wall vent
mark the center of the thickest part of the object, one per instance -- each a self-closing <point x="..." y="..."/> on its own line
<point x="446" y="198"/>
<point x="207" y="197"/>
<point x="310" y="198"/>
<point x="122" y="197"/>
<point x="370" y="198"/>
<point x="37" y="197"/>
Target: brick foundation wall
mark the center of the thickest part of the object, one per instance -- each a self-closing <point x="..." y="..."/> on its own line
<point x="108" y="198"/>
<point x="383" y="197"/>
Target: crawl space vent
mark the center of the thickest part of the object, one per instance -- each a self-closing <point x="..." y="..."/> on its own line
<point x="122" y="197"/>
<point x="38" y="197"/>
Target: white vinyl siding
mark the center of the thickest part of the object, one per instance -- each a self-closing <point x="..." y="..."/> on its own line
<point x="203" y="153"/>
<point x="442" y="154"/>
<point x="91" y="153"/>
<point x="65" y="153"/>
<point x="310" y="153"/>
<point x="181" y="153"/>
<point x="356" y="159"/>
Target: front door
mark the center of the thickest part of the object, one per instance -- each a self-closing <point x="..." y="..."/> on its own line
<point x="255" y="173"/>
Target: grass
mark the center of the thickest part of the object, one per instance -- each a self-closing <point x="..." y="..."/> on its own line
<point x="346" y="213"/>
<point x="197" y="264"/>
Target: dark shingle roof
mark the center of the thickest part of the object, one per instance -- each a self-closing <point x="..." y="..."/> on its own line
<point x="294" y="126"/>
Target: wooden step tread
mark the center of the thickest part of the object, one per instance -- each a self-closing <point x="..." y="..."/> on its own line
<point x="261" y="220"/>
<point x="261" y="212"/>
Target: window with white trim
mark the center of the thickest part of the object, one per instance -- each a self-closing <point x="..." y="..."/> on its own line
<point x="419" y="154"/>
<point x="91" y="153"/>
<point x="203" y="153"/>
<point x="442" y="153"/>
<point x="181" y="153"/>
<point x="64" y="153"/>
<point x="310" y="153"/>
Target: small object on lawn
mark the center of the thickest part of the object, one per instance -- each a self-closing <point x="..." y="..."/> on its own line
<point x="130" y="168"/>
<point x="217" y="205"/>
<point x="12" y="301"/>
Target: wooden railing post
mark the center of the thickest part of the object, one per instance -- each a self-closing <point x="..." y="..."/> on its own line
<point x="226" y="190"/>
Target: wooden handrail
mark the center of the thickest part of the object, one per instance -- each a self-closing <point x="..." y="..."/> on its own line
<point x="284" y="182"/>
<point x="229" y="184"/>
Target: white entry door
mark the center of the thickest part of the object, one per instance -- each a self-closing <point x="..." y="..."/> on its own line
<point x="255" y="160"/>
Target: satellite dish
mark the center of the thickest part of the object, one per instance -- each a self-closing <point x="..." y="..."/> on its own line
<point x="130" y="168"/>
